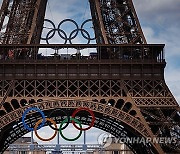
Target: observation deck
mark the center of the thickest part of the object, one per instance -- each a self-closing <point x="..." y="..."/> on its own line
<point x="82" y="61"/>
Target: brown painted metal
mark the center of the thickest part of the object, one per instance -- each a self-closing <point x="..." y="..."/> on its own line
<point x="100" y="21"/>
<point x="126" y="87"/>
<point x="3" y="12"/>
<point x="116" y="22"/>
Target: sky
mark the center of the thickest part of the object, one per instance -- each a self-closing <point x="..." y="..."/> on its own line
<point x="160" y="21"/>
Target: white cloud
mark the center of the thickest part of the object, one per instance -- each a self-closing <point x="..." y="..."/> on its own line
<point x="75" y="9"/>
<point x="159" y="11"/>
<point x="160" y="20"/>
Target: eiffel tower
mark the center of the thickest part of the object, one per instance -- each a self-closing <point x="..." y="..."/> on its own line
<point x="124" y="84"/>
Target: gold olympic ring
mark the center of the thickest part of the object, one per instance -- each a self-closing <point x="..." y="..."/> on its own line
<point x="37" y="124"/>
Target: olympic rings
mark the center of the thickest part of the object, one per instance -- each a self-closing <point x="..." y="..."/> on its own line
<point x="89" y="20"/>
<point x="24" y="115"/>
<point x="66" y="123"/>
<point x="77" y="31"/>
<point x="54" y="27"/>
<point x="77" y="27"/>
<point x="63" y="35"/>
<point x="40" y="123"/>
<point x="48" y="139"/>
<point x="73" y="120"/>
<point x="91" y="113"/>
<point x="54" y="30"/>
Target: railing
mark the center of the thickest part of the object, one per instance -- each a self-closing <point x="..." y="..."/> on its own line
<point x="54" y="147"/>
<point x="70" y="53"/>
<point x="65" y="148"/>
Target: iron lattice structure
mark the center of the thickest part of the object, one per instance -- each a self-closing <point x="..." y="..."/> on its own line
<point x="124" y="85"/>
